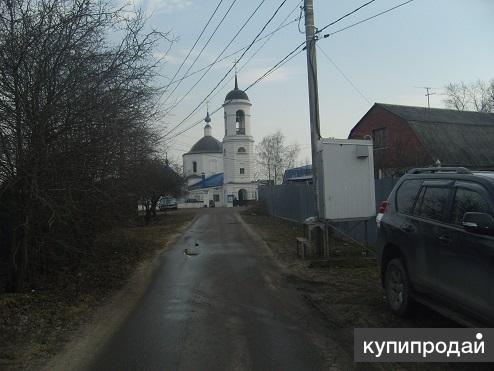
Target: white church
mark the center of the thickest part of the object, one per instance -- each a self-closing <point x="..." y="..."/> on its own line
<point x="224" y="171"/>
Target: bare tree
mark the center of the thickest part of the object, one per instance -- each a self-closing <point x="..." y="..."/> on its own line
<point x="157" y="178"/>
<point x="76" y="113"/>
<point x="477" y="96"/>
<point x="275" y="156"/>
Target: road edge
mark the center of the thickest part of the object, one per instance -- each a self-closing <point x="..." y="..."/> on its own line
<point x="78" y="353"/>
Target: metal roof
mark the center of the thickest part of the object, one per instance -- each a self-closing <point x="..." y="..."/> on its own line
<point x="215" y="180"/>
<point x="437" y="115"/>
<point x="469" y="145"/>
<point x="456" y="138"/>
<point x="236" y="93"/>
<point x="207" y="144"/>
<point x="298" y="173"/>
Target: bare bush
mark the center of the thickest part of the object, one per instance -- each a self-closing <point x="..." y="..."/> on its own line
<point x="76" y="113"/>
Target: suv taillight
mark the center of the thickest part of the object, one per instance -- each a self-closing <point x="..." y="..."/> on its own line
<point x="383" y="207"/>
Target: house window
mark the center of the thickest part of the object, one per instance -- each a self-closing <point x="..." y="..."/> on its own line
<point x="242" y="170"/>
<point x="380" y="137"/>
<point x="216" y="198"/>
<point x="241" y="150"/>
<point x="240" y="122"/>
<point x="194" y="167"/>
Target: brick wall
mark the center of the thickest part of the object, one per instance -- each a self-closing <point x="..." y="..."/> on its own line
<point x="402" y="149"/>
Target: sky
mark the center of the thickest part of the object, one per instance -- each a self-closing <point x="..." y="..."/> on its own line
<point x="388" y="59"/>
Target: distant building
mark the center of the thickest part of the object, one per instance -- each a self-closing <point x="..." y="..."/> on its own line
<point x="302" y="174"/>
<point x="406" y="137"/>
<point x="224" y="171"/>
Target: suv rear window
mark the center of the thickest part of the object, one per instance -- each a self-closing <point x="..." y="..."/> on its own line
<point x="432" y="202"/>
<point x="468" y="201"/>
<point x="406" y="195"/>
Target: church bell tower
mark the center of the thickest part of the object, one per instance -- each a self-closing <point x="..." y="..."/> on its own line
<point x="238" y="145"/>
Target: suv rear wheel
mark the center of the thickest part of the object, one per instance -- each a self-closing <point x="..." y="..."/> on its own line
<point x="397" y="286"/>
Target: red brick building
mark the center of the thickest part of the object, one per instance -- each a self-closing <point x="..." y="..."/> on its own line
<point x="406" y="137"/>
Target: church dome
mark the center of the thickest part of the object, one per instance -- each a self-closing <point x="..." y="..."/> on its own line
<point x="236" y="93"/>
<point x="207" y="144"/>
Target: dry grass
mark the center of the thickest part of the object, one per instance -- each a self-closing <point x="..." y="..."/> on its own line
<point x="34" y="324"/>
<point x="345" y="290"/>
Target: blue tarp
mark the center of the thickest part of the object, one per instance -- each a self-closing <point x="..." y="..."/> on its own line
<point x="215" y="180"/>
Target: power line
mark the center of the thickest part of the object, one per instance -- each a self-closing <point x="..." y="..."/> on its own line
<point x="284" y="60"/>
<point x="193" y="46"/>
<point x="367" y="19"/>
<point x="344" y="75"/>
<point x="231" y="54"/>
<point x="279" y="64"/>
<point x="193" y="125"/>
<point x="268" y="37"/>
<point x="197" y="57"/>
<point x="344" y="16"/>
<point x="290" y="56"/>
<point x="231" y="68"/>
<point x="209" y="68"/>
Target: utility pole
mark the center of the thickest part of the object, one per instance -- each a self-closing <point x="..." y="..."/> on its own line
<point x="428" y="95"/>
<point x="310" y="37"/>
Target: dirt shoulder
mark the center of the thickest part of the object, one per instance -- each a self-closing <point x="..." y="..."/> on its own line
<point x="61" y="321"/>
<point x="346" y="290"/>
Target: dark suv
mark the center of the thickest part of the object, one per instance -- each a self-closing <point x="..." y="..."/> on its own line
<point x="437" y="243"/>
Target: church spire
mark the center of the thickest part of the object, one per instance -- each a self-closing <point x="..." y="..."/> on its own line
<point x="207" y="127"/>
<point x="236" y="82"/>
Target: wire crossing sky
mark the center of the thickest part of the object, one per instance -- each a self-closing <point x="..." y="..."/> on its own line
<point x="422" y="43"/>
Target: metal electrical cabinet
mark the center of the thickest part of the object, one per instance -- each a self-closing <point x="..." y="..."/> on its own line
<point x="347" y="179"/>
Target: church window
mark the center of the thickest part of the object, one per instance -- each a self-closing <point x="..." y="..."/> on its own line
<point x="224" y="115"/>
<point x="242" y="170"/>
<point x="241" y="150"/>
<point x="213" y="166"/>
<point x="240" y="122"/>
<point x="194" y="167"/>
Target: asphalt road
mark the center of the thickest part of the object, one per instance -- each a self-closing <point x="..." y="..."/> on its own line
<point x="218" y="301"/>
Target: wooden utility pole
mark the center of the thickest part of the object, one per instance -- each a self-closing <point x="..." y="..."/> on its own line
<point x="310" y="37"/>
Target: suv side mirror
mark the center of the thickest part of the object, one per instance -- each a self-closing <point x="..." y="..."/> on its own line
<point x="478" y="222"/>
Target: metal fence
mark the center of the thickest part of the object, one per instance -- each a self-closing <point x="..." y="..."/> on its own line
<point x="296" y="202"/>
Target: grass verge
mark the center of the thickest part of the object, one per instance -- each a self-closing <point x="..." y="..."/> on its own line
<point x="345" y="290"/>
<point x="34" y="325"/>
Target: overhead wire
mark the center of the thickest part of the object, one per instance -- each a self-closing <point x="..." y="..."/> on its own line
<point x="296" y="51"/>
<point x="231" y="68"/>
<point x="344" y="16"/>
<point x="231" y="54"/>
<point x="343" y="74"/>
<point x="193" y="46"/>
<point x="269" y="36"/>
<point x="279" y="64"/>
<point x="197" y="57"/>
<point x="209" y="68"/>
<point x="367" y="19"/>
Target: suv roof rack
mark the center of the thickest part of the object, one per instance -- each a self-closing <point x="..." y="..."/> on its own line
<point x="432" y="170"/>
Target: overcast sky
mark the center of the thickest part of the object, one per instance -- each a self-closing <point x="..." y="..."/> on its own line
<point x="388" y="59"/>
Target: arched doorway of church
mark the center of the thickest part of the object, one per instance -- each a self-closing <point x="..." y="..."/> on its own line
<point x="242" y="196"/>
